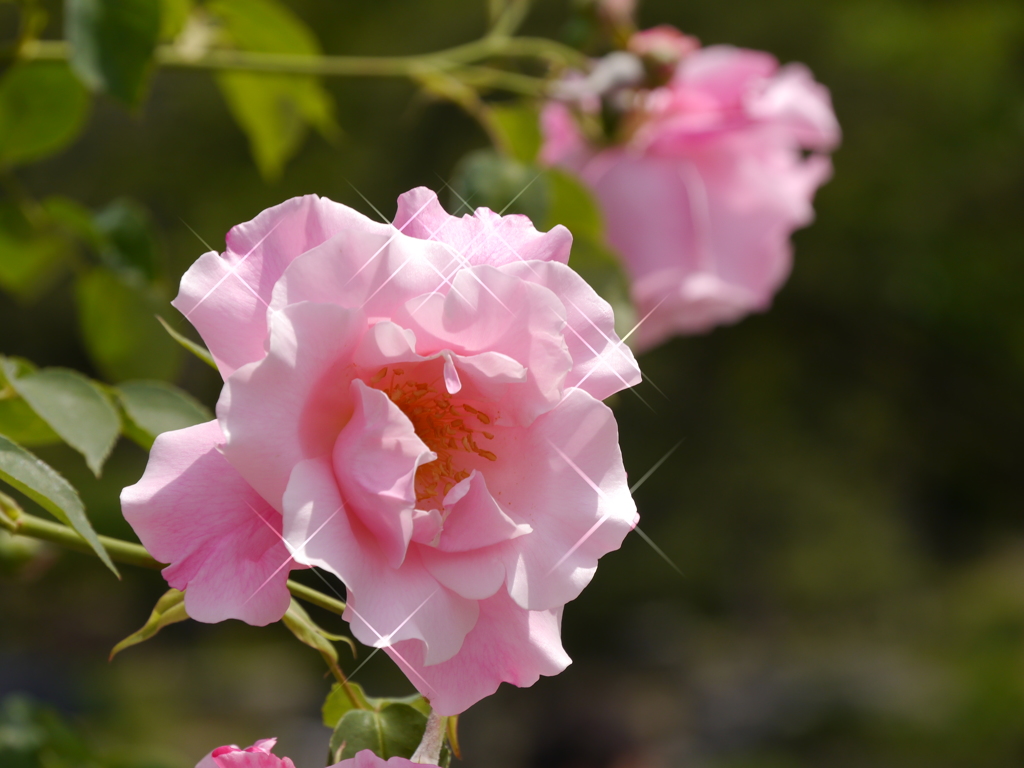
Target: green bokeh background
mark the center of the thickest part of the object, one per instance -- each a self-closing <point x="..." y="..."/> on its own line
<point x="846" y="503"/>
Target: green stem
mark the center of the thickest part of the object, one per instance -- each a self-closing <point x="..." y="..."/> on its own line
<point x="24" y="524"/>
<point x="121" y="551"/>
<point x="314" y="597"/>
<point x="511" y="18"/>
<point x="367" y="66"/>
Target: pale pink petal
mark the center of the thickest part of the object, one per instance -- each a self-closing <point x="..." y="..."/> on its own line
<point x="483" y="237"/>
<point x="674" y="301"/>
<point x="564" y="144"/>
<point x="367" y="759"/>
<point x="724" y="72"/>
<point x="292" y="404"/>
<point x="577" y="499"/>
<point x="601" y="363"/>
<point x="387" y="343"/>
<point x="385" y="605"/>
<point x="225" y="296"/>
<point x="795" y="102"/>
<point x="474" y="519"/>
<point x="488" y="311"/>
<point x="193" y="510"/>
<point x="375" y="461"/>
<point x="508" y="644"/>
<point x="372" y="270"/>
<point x="475" y="574"/>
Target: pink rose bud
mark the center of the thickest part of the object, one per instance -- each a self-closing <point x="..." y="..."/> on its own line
<point x="701" y="198"/>
<point x="259" y="756"/>
<point x="664" y="44"/>
<point x="415" y="407"/>
<point x="256" y="756"/>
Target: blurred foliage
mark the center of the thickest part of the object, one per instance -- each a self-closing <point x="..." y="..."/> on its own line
<point x="33" y="736"/>
<point x="845" y="506"/>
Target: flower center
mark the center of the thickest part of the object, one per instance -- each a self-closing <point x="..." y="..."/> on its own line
<point x="446" y="426"/>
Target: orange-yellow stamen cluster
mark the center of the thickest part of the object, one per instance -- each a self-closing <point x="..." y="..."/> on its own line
<point x="443" y="425"/>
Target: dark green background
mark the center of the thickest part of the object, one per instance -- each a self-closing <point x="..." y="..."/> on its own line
<point x="845" y="506"/>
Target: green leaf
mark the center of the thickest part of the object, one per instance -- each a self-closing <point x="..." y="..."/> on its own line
<point x="173" y="18"/>
<point x="169" y="609"/>
<point x="42" y="109"/>
<point x="338" y="702"/>
<point x="272" y="109"/>
<point x="21" y="424"/>
<point x="30" y="259"/>
<point x="573" y="206"/>
<point x="155" y="407"/>
<point x="17" y="419"/>
<point x="73" y="406"/>
<point x="309" y="632"/>
<point x="41" y="483"/>
<point x="394" y="731"/>
<point x="517" y="129"/>
<point x="74" y="219"/>
<point x="127" y="242"/>
<point x="196" y="349"/>
<point x="485" y="178"/>
<point x="112" y="43"/>
<point x="119" y="327"/>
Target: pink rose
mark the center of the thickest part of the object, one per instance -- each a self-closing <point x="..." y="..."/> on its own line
<point x="256" y="756"/>
<point x="259" y="756"/>
<point x="414" y="407"/>
<point x="702" y="196"/>
<point x="367" y="759"/>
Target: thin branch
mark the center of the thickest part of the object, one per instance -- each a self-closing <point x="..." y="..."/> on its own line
<point x="328" y="66"/>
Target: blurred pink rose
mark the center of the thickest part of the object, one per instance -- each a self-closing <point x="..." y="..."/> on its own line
<point x="701" y="198"/>
<point x="259" y="756"/>
<point x="414" y="407"/>
<point x="256" y="756"/>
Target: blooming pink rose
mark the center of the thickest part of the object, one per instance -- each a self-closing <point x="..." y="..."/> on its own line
<point x="256" y="756"/>
<point x="702" y="197"/>
<point x="414" y="407"/>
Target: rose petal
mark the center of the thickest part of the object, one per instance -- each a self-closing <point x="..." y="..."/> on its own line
<point x="385" y="605"/>
<point x="373" y="270"/>
<point x="484" y="237"/>
<point x="577" y="499"/>
<point x="225" y="296"/>
<point x="601" y="363"/>
<point x="476" y="316"/>
<point x="508" y="644"/>
<point x="474" y="519"/>
<point x="291" y="405"/>
<point x="193" y="510"/>
<point x="375" y="461"/>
